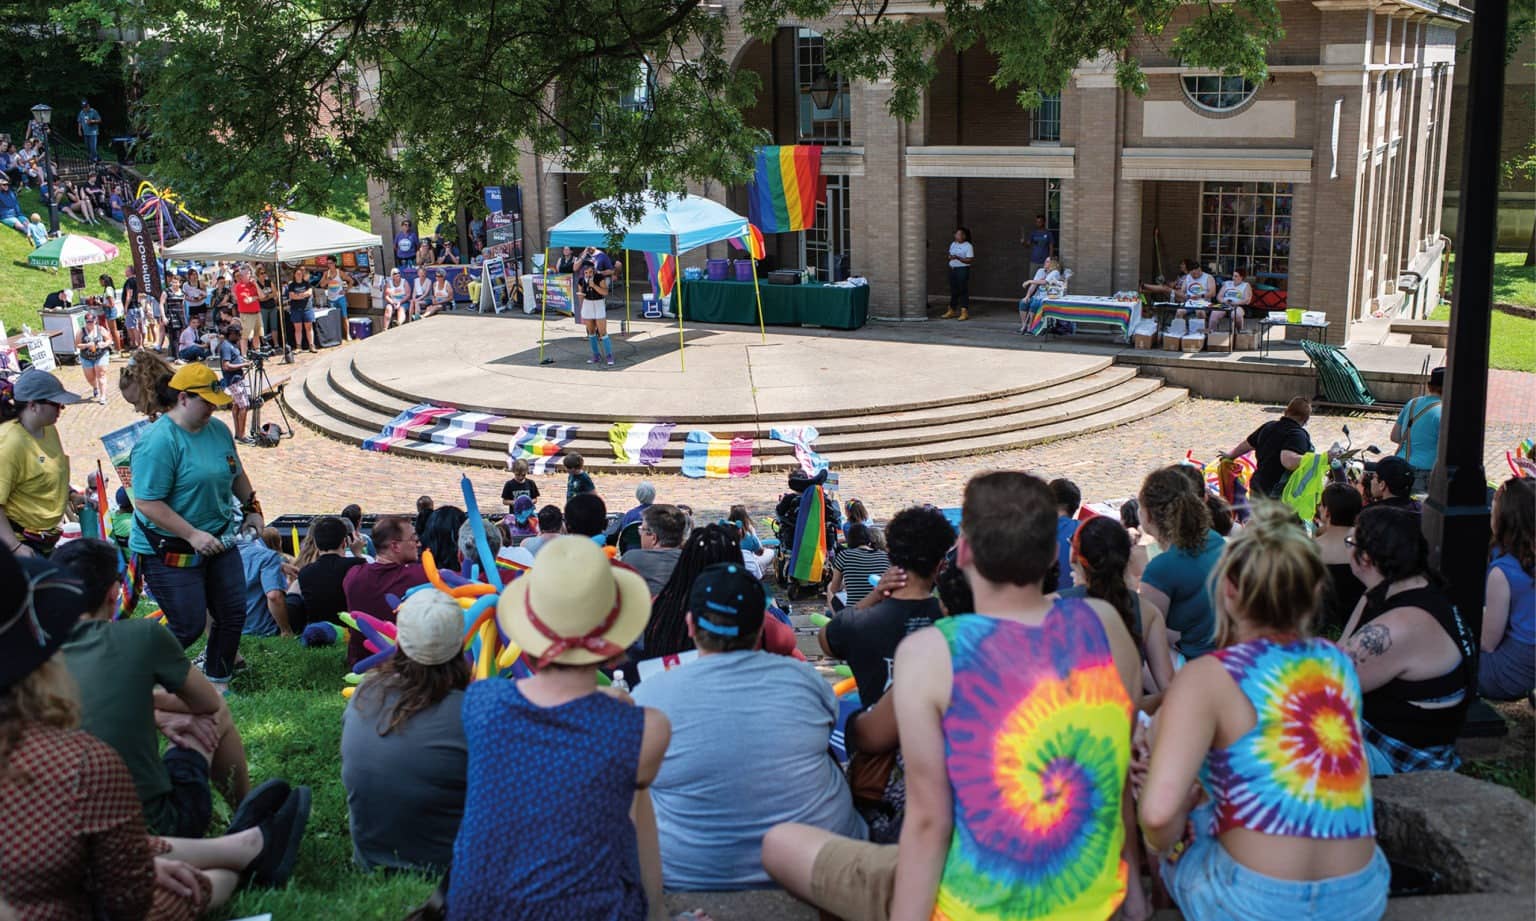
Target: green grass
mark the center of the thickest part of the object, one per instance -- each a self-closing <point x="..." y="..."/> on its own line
<point x="1512" y="345"/>
<point x="1515" y="773"/>
<point x="1514" y="282"/>
<point x="22" y="288"/>
<point x="288" y="706"/>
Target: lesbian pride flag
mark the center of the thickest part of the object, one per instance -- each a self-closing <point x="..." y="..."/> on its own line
<point x="704" y="455"/>
<point x="786" y="187"/>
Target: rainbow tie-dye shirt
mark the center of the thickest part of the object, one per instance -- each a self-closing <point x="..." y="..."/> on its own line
<point x="1301" y="771"/>
<point x="1037" y="741"/>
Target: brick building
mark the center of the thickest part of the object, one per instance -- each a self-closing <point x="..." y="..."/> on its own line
<point x="1326" y="179"/>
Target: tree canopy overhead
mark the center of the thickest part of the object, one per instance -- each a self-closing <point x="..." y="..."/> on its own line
<point x="254" y="101"/>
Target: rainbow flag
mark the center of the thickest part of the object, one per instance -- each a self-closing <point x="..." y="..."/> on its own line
<point x="639" y="442"/>
<point x="786" y="187"/>
<point x="751" y="242"/>
<point x="808" y="553"/>
<point x="540" y="444"/>
<point x="704" y="455"/>
<point x="662" y="272"/>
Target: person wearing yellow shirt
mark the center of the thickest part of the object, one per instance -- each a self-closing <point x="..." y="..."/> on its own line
<point x="34" y="470"/>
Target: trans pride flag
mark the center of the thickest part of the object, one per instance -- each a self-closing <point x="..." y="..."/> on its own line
<point x="704" y="455"/>
<point x="540" y="444"/>
<point x="786" y="187"/>
<point x="639" y="442"/>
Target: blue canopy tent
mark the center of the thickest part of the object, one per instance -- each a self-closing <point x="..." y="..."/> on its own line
<point x="671" y="225"/>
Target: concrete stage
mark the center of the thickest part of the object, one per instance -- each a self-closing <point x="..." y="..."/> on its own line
<point x="888" y="393"/>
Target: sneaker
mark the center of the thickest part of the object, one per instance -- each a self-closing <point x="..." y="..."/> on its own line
<point x="200" y="660"/>
<point x="949" y="314"/>
<point x="246" y="440"/>
<point x="259" y="805"/>
<point x="610" y="361"/>
<point x="592" y="360"/>
<point x="281" y="835"/>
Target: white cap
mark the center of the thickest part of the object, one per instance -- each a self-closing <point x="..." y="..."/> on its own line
<point x="430" y="627"/>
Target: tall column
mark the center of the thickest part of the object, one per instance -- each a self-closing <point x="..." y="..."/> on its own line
<point x="888" y="210"/>
<point x="1338" y="190"/>
<point x="1091" y="215"/>
<point x="543" y="199"/>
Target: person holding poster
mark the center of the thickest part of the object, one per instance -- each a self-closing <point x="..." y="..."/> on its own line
<point x="594" y="312"/>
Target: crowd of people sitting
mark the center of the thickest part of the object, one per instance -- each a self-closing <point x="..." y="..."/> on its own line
<point x="1053" y="707"/>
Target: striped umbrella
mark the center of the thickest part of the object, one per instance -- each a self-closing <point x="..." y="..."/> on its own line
<point x="72" y="249"/>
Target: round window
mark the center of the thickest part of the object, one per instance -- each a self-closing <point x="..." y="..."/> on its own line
<point x="1218" y="93"/>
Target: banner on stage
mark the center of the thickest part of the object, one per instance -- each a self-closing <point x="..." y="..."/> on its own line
<point x="493" y="202"/>
<point x="494" y="295"/>
<point x="504" y="226"/>
<point x="561" y="291"/>
<point x="459" y="277"/>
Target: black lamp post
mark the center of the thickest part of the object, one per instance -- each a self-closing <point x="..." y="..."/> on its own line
<point x="44" y="115"/>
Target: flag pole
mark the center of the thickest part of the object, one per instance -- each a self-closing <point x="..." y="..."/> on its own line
<point x="677" y="274"/>
<point x="543" y="304"/>
<point x="626" y="290"/>
<point x="757" y="289"/>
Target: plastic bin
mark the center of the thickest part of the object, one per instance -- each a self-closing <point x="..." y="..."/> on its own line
<point x="717" y="269"/>
<point x="744" y="270"/>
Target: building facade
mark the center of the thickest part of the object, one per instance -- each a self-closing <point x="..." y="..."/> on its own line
<point x="1326" y="180"/>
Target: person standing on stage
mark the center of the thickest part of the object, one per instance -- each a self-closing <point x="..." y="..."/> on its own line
<point x="566" y="264"/>
<point x="593" y="290"/>
<point x="961" y="255"/>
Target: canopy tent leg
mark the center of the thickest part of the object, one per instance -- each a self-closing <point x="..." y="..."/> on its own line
<point x="277" y="275"/>
<point x="626" y="291"/>
<point x="677" y="274"/>
<point x="757" y="290"/>
<point x="543" y="305"/>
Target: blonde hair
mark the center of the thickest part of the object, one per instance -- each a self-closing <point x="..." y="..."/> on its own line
<point x="1276" y="574"/>
<point x="46" y="697"/>
<point x="149" y="377"/>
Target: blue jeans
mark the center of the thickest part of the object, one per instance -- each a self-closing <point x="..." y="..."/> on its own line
<point x="90" y="146"/>
<point x="1209" y="885"/>
<point x="193" y="353"/>
<point x="216" y="586"/>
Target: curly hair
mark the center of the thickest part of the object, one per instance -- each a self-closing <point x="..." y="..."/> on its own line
<point x="667" y="632"/>
<point x="1177" y="512"/>
<point x="1514" y="521"/>
<point x="145" y="381"/>
<point x="46" y="697"/>
<point x="1391" y="539"/>
<point x="917" y="539"/>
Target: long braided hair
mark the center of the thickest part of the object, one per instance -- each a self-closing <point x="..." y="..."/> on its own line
<point x="667" y="632"/>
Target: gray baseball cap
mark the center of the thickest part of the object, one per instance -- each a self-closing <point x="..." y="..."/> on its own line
<point x="34" y="386"/>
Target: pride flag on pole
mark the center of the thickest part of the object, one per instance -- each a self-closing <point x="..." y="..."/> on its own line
<point x="809" y="550"/>
<point x="639" y="442"/>
<point x="704" y="455"/>
<point x="662" y="271"/>
<point x="752" y="242"/>
<point x="785" y="188"/>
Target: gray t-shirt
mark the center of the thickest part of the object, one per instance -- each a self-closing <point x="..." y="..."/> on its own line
<point x="655" y="565"/>
<point x="405" y="790"/>
<point x="766" y="713"/>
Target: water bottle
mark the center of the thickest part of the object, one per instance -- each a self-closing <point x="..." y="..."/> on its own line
<point x="619" y="683"/>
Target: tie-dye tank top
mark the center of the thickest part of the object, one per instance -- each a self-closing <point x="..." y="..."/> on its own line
<point x="1037" y="741"/>
<point x="1301" y="770"/>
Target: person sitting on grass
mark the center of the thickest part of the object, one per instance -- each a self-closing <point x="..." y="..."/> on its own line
<point x="587" y="515"/>
<point x="469" y="550"/>
<point x="759" y="556"/>
<point x="522" y="522"/>
<point x="1507" y="668"/>
<point x="403" y="754"/>
<point x="321" y="579"/>
<point x="866" y="635"/>
<point x="396" y="569"/>
<point x="576" y="479"/>
<point x="1175" y="597"/>
<point x="1068" y="498"/>
<point x="442" y="536"/>
<point x="662" y="529"/>
<point x="1411" y="648"/>
<point x="645" y="495"/>
<point x="739" y="705"/>
<point x="1101" y="553"/>
<point x="1269" y="725"/>
<point x="852" y="567"/>
<point x="136" y="685"/>
<point x="578" y="840"/>
<point x="76" y="845"/>
<point x="1337" y="511"/>
<point x="266" y="604"/>
<point x="1053" y="687"/>
<point x="1392" y="486"/>
<point x="37" y="231"/>
<point x="353" y="514"/>
<point x="189" y="346"/>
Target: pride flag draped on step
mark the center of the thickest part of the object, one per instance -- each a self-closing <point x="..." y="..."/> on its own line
<point x="540" y="444"/>
<point x="434" y="429"/>
<point x="639" y="442"/>
<point x="808" y="554"/>
<point x="784" y="191"/>
<point x="704" y="455"/>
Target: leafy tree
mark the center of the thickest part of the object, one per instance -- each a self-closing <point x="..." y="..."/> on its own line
<point x="251" y="101"/>
<point x="46" y="63"/>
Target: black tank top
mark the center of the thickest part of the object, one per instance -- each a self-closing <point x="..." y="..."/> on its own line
<point x="1406" y="710"/>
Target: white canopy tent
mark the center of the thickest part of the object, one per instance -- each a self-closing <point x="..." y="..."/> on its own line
<point x="300" y="236"/>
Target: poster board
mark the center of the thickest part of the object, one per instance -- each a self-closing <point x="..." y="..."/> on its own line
<point x="494" y="295"/>
<point x="119" y="444"/>
<point x="504" y="225"/>
<point x="459" y="276"/>
<point x="561" y="291"/>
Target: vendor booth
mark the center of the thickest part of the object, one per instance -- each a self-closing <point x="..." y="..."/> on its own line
<point x="839" y="306"/>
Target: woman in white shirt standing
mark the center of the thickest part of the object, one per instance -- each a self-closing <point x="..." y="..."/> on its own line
<point x="1235" y="294"/>
<point x="961" y="255"/>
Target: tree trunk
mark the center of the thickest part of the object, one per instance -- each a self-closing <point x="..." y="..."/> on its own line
<point x="1530" y="247"/>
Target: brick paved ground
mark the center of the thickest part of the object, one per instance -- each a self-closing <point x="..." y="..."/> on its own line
<point x="313" y="474"/>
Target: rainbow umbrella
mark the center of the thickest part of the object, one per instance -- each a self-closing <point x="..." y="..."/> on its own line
<point x="72" y="249"/>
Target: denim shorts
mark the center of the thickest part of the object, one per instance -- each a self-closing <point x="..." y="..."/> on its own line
<point x="1209" y="885"/>
<point x="100" y="362"/>
<point x="301" y="314"/>
<point x="187" y="809"/>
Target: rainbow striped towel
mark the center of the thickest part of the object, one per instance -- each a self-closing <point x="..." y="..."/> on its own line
<point x="639" y="442"/>
<point x="785" y="188"/>
<point x="809" y="551"/>
<point x="704" y="455"/>
<point x="540" y="444"/>
<point x="1077" y="308"/>
<point x="802" y="437"/>
<point x="435" y="429"/>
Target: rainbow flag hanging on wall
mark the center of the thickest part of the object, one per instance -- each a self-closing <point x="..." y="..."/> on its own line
<point x="540" y="445"/>
<point x="786" y="187"/>
<point x="809" y="551"/>
<point x="704" y="455"/>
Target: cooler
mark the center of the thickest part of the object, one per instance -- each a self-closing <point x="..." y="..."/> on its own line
<point x="68" y="321"/>
<point x="717" y="269"/>
<point x="360" y="327"/>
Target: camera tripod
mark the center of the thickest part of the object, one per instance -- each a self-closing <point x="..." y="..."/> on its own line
<point x="260" y="383"/>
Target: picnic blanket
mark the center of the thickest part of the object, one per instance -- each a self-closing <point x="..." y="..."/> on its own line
<point x="431" y="428"/>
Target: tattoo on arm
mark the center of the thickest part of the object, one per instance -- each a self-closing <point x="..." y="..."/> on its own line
<point x="1372" y="640"/>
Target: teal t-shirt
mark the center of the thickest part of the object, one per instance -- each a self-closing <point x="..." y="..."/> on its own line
<point x="192" y="472"/>
<point x="1182" y="576"/>
<point x="1421" y="435"/>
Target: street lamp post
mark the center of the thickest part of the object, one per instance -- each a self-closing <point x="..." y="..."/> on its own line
<point x="44" y="115"/>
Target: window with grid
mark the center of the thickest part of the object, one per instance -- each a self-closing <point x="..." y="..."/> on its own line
<point x="637" y="98"/>
<point x="1246" y="223"/>
<point x="1217" y="93"/>
<point x="815" y="125"/>
<point x="831" y="238"/>
<point x="1053" y="205"/>
<point x="1047" y="125"/>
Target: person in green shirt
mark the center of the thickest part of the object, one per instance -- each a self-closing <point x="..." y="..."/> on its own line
<point x="187" y="477"/>
<point x="135" y="685"/>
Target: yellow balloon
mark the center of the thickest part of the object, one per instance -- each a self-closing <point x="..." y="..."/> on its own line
<point x="348" y="691"/>
<point x="508" y="656"/>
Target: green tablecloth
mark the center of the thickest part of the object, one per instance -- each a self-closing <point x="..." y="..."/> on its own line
<point x="783" y="305"/>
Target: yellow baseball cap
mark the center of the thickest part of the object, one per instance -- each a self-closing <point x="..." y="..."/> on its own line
<point x="199" y="379"/>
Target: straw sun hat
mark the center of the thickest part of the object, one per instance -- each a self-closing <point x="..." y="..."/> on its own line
<point x="574" y="607"/>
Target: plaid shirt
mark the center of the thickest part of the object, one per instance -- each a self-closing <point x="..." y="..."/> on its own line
<point x="1405" y="758"/>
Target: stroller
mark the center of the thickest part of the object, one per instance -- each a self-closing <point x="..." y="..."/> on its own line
<point x="785" y="516"/>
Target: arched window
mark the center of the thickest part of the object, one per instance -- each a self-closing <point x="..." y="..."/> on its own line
<point x="637" y="98"/>
<point x="818" y="125"/>
<point x="1218" y="93"/>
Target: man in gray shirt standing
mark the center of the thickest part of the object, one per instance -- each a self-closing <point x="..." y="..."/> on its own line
<point x="662" y="529"/>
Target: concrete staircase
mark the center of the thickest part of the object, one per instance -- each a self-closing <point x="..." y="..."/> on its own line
<point x="337" y="398"/>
